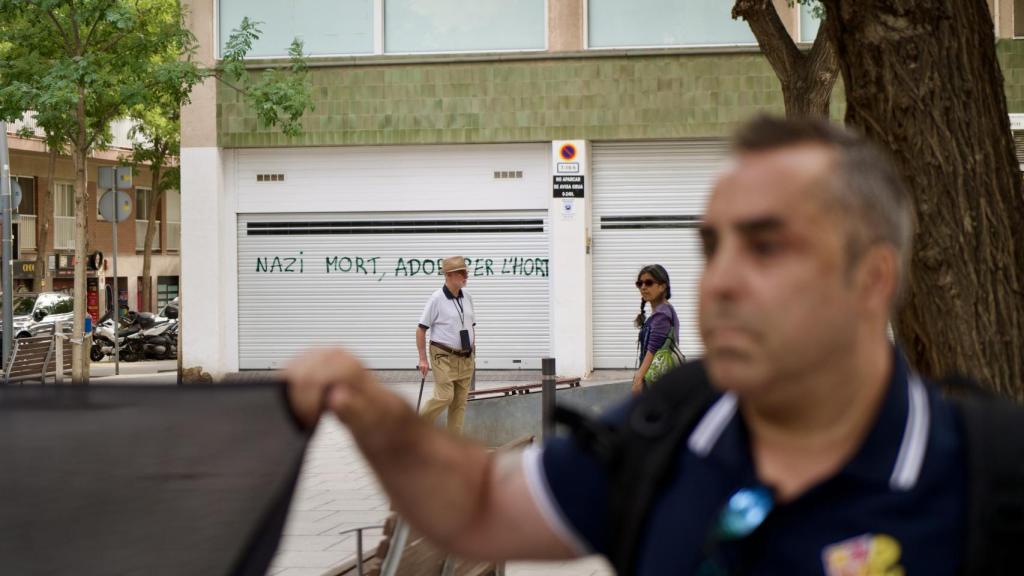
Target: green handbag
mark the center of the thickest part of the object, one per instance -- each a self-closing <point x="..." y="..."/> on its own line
<point x="667" y="358"/>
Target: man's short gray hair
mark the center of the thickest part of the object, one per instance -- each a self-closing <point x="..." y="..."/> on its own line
<point x="865" y="183"/>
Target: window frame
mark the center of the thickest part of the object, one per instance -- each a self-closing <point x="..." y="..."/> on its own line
<point x="149" y="198"/>
<point x="378" y="39"/>
<point x="35" y="184"/>
<point x="166" y="281"/>
<point x="588" y="48"/>
<point x="547" y="39"/>
<point x="1013" y="20"/>
<point x="71" y="188"/>
<point x="800" y="26"/>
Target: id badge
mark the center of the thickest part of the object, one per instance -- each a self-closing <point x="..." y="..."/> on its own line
<point x="464" y="337"/>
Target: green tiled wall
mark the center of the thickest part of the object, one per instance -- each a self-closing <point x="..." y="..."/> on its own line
<point x="596" y="98"/>
<point x="1011" y="60"/>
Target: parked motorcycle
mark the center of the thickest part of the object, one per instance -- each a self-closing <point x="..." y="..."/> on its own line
<point x="139" y="336"/>
<point x="103" y="336"/>
<point x="158" y="342"/>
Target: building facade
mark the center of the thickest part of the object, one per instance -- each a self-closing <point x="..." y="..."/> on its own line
<point x="560" y="145"/>
<point x="29" y="159"/>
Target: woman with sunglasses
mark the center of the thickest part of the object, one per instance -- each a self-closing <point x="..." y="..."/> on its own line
<point x="655" y="288"/>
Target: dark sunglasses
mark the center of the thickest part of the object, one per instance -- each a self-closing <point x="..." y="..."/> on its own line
<point x="742" y="514"/>
<point x="648" y="283"/>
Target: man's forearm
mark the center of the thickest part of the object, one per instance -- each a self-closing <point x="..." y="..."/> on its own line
<point x="447" y="487"/>
<point x="435" y="480"/>
<point x="421" y="342"/>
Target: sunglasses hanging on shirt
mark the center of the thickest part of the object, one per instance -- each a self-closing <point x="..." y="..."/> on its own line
<point x="744" y="512"/>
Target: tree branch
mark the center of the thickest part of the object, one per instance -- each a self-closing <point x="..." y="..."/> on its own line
<point x="96" y="23"/>
<point x="773" y="38"/>
<point x="74" y="28"/>
<point x="60" y="29"/>
<point x="113" y="41"/>
<point x="228" y="84"/>
<point x="823" y="59"/>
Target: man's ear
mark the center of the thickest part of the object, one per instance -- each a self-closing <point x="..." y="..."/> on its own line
<point x="878" y="277"/>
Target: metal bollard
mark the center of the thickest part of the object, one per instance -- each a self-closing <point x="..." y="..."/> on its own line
<point x="548" y="396"/>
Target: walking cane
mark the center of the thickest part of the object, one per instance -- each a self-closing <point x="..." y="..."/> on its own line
<point x="420" y="397"/>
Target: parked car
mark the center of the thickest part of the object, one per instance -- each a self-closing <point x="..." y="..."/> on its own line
<point x="36" y="314"/>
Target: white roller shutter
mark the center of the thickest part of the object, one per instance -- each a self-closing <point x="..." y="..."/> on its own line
<point x="361" y="280"/>
<point x="648" y="198"/>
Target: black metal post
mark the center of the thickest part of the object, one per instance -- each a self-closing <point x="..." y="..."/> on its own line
<point x="548" y="396"/>
<point x="359" y="553"/>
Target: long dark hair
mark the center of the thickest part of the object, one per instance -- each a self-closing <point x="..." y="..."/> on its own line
<point x="660" y="275"/>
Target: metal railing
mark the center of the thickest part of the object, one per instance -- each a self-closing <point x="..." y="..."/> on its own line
<point x="174" y="236"/>
<point x="359" y="544"/>
<point x="27" y="231"/>
<point x="63" y="232"/>
<point x="140" y="235"/>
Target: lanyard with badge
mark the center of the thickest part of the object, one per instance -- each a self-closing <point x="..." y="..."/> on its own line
<point x="464" y="333"/>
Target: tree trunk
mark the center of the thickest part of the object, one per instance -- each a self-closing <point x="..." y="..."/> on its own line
<point x="80" y="359"/>
<point x="922" y="79"/>
<point x="44" y="222"/>
<point x="147" y="251"/>
<point x="807" y="92"/>
<point x="807" y="78"/>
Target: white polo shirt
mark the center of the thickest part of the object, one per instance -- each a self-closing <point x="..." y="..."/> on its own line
<point x="445" y="315"/>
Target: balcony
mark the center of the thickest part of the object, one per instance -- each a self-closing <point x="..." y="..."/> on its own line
<point x="64" y="232"/>
<point x="27" y="232"/>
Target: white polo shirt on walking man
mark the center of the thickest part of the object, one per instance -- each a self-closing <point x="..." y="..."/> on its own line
<point x="445" y="316"/>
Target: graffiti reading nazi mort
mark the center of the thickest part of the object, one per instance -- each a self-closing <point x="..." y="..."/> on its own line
<point x="281" y="265"/>
<point x="403" y="267"/>
<point x="354" y="264"/>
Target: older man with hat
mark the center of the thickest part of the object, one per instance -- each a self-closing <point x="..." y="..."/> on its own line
<point x="451" y="319"/>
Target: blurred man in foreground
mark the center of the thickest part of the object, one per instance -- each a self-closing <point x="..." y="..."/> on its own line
<point x="817" y="452"/>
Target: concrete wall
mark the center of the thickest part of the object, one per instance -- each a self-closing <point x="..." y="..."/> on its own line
<point x="206" y="308"/>
<point x="565" y="25"/>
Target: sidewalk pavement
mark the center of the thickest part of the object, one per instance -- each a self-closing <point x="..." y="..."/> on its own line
<point x="148" y="372"/>
<point x="337" y="491"/>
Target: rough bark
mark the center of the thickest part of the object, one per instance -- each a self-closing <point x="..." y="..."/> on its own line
<point x="922" y="79"/>
<point x="807" y="78"/>
<point x="151" y="229"/>
<point x="44" y="223"/>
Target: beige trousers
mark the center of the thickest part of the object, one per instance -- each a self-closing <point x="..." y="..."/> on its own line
<point x="452" y="377"/>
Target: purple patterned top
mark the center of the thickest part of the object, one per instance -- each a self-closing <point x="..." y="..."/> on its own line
<point x="657" y="326"/>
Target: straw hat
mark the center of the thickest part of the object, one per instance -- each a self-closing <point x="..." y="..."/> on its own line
<point x="453" y="264"/>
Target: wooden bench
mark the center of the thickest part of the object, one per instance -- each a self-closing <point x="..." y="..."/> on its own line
<point x="35" y="359"/>
<point x="521" y="389"/>
<point x="405" y="552"/>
